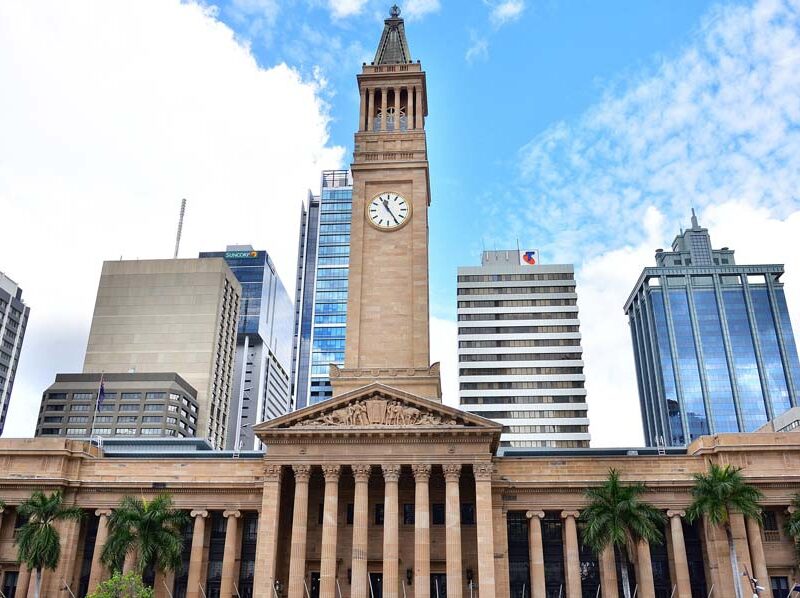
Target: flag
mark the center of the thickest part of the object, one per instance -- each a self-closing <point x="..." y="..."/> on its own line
<point x="101" y="394"/>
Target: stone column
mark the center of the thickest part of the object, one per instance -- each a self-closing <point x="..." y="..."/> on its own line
<point x="418" y="113"/>
<point x="297" y="562"/>
<point x="358" y="587"/>
<point x="391" y="523"/>
<point x="327" y="575"/>
<point x="362" y="108"/>
<point x="229" y="572"/>
<point x="163" y="583"/>
<point x="572" y="562"/>
<point x="397" y="91"/>
<point x="98" y="570"/>
<point x="371" y="109"/>
<point x="422" y="531"/>
<point x="644" y="570"/>
<point x="739" y="531"/>
<point x="267" y="545"/>
<point x="384" y="106"/>
<point x="483" y="510"/>
<point x="682" y="580"/>
<point x="757" y="553"/>
<point x="452" y="473"/>
<point x="608" y="573"/>
<point x="196" y="556"/>
<point x="536" y="552"/>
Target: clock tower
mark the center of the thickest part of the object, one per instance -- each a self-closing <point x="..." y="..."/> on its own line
<point x="387" y="337"/>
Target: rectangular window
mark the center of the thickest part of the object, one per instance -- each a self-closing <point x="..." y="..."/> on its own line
<point x="103" y="419"/>
<point x="408" y="514"/>
<point x="76" y="431"/>
<point x="78" y="419"/>
<point x="172" y="408"/>
<point x="127" y="419"/>
<point x="126" y="431"/>
<point x="379" y="514"/>
<point x="57" y="396"/>
<point x="79" y="408"/>
<point x="55" y="408"/>
<point x="153" y="396"/>
<point x="82" y="396"/>
<point x="53" y="419"/>
<point x="174" y="396"/>
<point x="151" y="419"/>
<point x="172" y="420"/>
<point x="437" y="514"/>
<point x="106" y="408"/>
<point x="467" y="513"/>
<point x="131" y="396"/>
<point x="779" y="586"/>
<point x="131" y="407"/>
<point x="103" y="431"/>
<point x="153" y="407"/>
<point x="151" y="431"/>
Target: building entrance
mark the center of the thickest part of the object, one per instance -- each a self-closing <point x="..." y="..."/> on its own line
<point x="438" y="585"/>
<point x="376" y="585"/>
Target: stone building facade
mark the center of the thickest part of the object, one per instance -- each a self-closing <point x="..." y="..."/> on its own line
<point x="381" y="493"/>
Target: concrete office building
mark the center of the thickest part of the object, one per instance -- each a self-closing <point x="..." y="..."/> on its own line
<point x="519" y="350"/>
<point x="713" y="342"/>
<point x="170" y="316"/>
<point x="261" y="385"/>
<point x="155" y="404"/>
<point x="321" y="291"/>
<point x="13" y="321"/>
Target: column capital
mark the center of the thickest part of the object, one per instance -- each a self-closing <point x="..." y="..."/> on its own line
<point x="452" y="471"/>
<point x="232" y="513"/>
<point x="483" y="471"/>
<point x="199" y="513"/>
<point x="102" y="512"/>
<point x="391" y="472"/>
<point x="331" y="472"/>
<point x="361" y="472"/>
<point x="272" y="472"/>
<point x="532" y="514"/>
<point x="568" y="514"/>
<point x="422" y="472"/>
<point x="301" y="472"/>
<point x="675" y="513"/>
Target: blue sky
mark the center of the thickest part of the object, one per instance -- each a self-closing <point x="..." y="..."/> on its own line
<point x="584" y="129"/>
<point x="549" y="63"/>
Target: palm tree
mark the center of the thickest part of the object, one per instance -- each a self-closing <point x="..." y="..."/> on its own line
<point x="716" y="495"/>
<point x="616" y="516"/>
<point x="152" y="530"/>
<point x="793" y="523"/>
<point x="38" y="539"/>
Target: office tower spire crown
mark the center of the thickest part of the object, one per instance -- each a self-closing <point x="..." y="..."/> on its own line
<point x="393" y="47"/>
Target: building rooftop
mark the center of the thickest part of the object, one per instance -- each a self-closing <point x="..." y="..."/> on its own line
<point x="393" y="47"/>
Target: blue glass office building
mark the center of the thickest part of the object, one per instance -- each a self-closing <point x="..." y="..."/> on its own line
<point x="712" y="341"/>
<point x="321" y="293"/>
<point x="261" y="383"/>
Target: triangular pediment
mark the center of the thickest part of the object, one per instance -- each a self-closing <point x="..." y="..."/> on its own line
<point x="377" y="407"/>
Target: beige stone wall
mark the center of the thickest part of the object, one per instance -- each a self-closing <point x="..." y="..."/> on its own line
<point x="170" y="316"/>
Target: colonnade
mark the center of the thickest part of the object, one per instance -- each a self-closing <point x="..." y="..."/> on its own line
<point x="359" y="588"/>
<point x="749" y="548"/>
<point x="369" y="110"/>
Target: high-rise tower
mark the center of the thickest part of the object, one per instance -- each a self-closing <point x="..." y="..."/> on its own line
<point x="388" y="278"/>
<point x="712" y="341"/>
<point x="13" y="321"/>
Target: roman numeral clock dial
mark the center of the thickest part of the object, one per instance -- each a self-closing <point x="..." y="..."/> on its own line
<point x="388" y="211"/>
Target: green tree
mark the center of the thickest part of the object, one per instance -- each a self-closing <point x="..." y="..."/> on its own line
<point x="617" y="516"/>
<point x="793" y="524"/>
<point x="38" y="540"/>
<point x="152" y="530"/>
<point x="718" y="493"/>
<point x="122" y="586"/>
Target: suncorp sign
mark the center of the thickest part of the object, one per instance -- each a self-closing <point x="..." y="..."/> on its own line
<point x="233" y="255"/>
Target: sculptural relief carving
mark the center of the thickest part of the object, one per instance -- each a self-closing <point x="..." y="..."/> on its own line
<point x="378" y="412"/>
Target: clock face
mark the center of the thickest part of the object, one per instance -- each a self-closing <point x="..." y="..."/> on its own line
<point x="388" y="211"/>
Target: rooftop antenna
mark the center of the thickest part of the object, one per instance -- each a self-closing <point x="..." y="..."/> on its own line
<point x="180" y="228"/>
<point x="694" y="220"/>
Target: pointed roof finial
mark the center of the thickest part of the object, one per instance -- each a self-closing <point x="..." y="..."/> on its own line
<point x="393" y="47"/>
<point x="694" y="220"/>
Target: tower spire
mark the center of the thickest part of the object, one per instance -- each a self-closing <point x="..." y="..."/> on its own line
<point x="393" y="47"/>
<point x="694" y="220"/>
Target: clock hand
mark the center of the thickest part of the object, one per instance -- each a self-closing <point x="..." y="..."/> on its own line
<point x="386" y="205"/>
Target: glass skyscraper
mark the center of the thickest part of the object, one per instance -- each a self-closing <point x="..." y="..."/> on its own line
<point x="13" y="321"/>
<point x="321" y="293"/>
<point x="712" y="341"/>
<point x="261" y="384"/>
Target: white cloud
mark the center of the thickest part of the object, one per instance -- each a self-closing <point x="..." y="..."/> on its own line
<point x="444" y="349"/>
<point x="346" y="8"/>
<point x="416" y="9"/>
<point x="605" y="281"/>
<point x="506" y="11"/>
<point x="112" y="112"/>
<point x="479" y="50"/>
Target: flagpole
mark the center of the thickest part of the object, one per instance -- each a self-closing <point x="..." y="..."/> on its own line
<point x="97" y="404"/>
